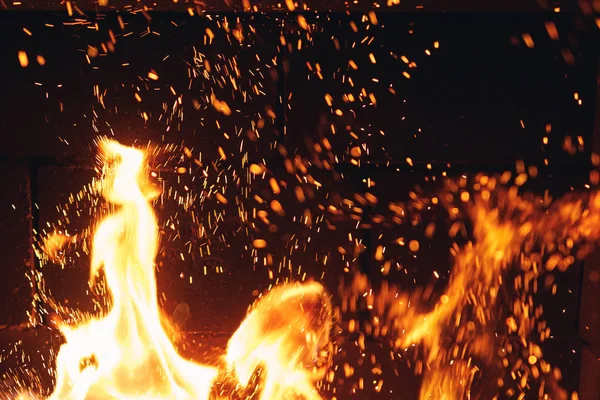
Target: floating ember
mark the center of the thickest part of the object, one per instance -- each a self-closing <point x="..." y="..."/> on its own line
<point x="127" y="354"/>
<point x="284" y="348"/>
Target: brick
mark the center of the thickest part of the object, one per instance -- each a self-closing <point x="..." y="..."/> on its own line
<point x="589" y="379"/>
<point x="15" y="230"/>
<point x="589" y="320"/>
<point x="589" y="328"/>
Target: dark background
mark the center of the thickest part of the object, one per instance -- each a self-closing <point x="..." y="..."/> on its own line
<point x="479" y="103"/>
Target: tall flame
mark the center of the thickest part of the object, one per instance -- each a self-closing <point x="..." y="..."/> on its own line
<point x="280" y="349"/>
<point x="126" y="354"/>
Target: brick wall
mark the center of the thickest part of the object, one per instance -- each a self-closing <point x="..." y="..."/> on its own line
<point x="480" y="102"/>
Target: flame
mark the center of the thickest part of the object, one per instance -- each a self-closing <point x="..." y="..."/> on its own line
<point x="284" y="334"/>
<point x="126" y="353"/>
<point x="282" y="349"/>
<point x="459" y="334"/>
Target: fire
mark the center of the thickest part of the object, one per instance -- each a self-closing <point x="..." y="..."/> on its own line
<point x="284" y="333"/>
<point x="126" y="353"/>
<point x="283" y="349"/>
<point x="459" y="334"/>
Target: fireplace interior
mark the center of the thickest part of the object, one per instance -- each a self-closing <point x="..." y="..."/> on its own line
<point x="288" y="142"/>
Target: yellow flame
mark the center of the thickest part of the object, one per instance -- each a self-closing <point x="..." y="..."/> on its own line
<point x="126" y="353"/>
<point x="284" y="334"/>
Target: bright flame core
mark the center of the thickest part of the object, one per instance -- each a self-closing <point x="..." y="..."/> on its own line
<point x="279" y="352"/>
<point x="284" y="333"/>
<point x="126" y="354"/>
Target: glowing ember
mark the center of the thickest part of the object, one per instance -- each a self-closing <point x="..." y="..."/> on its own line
<point x="126" y="353"/>
<point x="471" y="325"/>
<point x="283" y="349"/>
<point x="459" y="334"/>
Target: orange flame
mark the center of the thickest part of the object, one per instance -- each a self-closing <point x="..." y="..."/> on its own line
<point x="284" y="334"/>
<point x="506" y="229"/>
<point x="280" y="350"/>
<point x="126" y="354"/>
